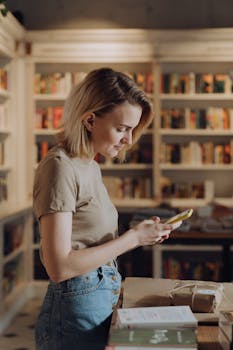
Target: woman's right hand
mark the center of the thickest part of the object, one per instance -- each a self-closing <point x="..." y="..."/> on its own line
<point x="150" y="232"/>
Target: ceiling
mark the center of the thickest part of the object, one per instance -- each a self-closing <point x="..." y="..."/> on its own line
<point x="148" y="14"/>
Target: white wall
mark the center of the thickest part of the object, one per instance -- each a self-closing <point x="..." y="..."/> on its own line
<point x="72" y="14"/>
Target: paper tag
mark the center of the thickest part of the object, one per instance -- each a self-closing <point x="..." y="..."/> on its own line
<point x="206" y="291"/>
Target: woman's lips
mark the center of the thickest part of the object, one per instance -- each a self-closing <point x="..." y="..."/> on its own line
<point x="118" y="147"/>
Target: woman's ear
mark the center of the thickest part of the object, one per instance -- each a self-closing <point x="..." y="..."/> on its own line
<point x="89" y="121"/>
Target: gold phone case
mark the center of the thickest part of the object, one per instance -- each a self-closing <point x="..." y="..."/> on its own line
<point x="180" y="217"/>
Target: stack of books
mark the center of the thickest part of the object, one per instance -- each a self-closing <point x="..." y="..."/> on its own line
<point x="225" y="324"/>
<point x="162" y="327"/>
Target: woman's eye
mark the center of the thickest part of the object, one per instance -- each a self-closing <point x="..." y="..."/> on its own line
<point x="121" y="130"/>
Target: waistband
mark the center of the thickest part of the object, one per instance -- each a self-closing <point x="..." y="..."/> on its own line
<point x="64" y="284"/>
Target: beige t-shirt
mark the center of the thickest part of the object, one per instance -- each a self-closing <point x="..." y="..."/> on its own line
<point x="64" y="184"/>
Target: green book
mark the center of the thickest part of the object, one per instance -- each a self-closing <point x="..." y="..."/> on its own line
<point x="140" y="338"/>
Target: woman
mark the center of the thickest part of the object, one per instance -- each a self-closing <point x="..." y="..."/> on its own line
<point x="105" y="114"/>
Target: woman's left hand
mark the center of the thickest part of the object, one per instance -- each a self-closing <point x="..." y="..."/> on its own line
<point x="162" y="238"/>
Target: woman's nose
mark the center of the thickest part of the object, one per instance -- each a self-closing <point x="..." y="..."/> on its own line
<point x="127" y="139"/>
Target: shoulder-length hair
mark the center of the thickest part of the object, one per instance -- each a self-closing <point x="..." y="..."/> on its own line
<point x="100" y="92"/>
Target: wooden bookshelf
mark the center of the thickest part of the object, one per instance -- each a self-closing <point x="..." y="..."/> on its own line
<point x="15" y="204"/>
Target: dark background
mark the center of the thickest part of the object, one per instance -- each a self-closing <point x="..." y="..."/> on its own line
<point x="148" y="14"/>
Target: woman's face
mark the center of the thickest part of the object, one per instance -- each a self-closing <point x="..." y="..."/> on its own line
<point x="114" y="130"/>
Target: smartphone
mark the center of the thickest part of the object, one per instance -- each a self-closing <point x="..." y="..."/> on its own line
<point x="180" y="217"/>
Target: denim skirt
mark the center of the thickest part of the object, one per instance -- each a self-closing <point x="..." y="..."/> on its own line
<point x="76" y="313"/>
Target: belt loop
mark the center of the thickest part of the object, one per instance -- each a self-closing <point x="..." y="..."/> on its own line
<point x="100" y="271"/>
<point x="115" y="263"/>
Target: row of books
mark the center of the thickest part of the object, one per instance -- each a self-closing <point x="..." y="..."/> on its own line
<point x="145" y="81"/>
<point x="3" y="188"/>
<point x="4" y="109"/>
<point x="48" y="117"/>
<point x="196" y="153"/>
<point x="189" y="118"/>
<point x="140" y="153"/>
<point x="56" y="83"/>
<point x="159" y="327"/>
<point x="201" y="189"/>
<point x="210" y="118"/>
<point x="4" y="79"/>
<point x="13" y="234"/>
<point x="191" y="269"/>
<point x="61" y="83"/>
<point x="128" y="187"/>
<point x="191" y="83"/>
<point x="12" y="274"/>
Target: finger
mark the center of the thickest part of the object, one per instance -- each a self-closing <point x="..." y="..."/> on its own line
<point x="155" y="219"/>
<point x="149" y="222"/>
<point x="167" y="227"/>
<point x="162" y="238"/>
<point x="176" y="225"/>
<point x="159" y="240"/>
<point x="164" y="233"/>
<point x="165" y="237"/>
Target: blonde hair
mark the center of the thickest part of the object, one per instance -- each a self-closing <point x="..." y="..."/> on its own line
<point x="100" y="92"/>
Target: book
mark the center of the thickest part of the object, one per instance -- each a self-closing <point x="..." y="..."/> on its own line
<point x="153" y="338"/>
<point x="220" y="82"/>
<point x="157" y="317"/>
<point x="225" y="323"/>
<point x="204" y="83"/>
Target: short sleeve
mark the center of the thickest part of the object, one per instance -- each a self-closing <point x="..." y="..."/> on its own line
<point x="55" y="187"/>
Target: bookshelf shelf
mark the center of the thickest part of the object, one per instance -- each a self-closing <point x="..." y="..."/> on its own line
<point x="38" y="132"/>
<point x="197" y="167"/>
<point x="226" y="202"/>
<point x="186" y="202"/>
<point x="5" y="132"/>
<point x="127" y="167"/>
<point x="134" y="203"/>
<point x="5" y="168"/>
<point x="14" y="294"/>
<point x="196" y="132"/>
<point x="208" y="97"/>
<point x="4" y="95"/>
<point x="50" y="97"/>
<point x="149" y="132"/>
<point x="15" y="210"/>
<point x="14" y="254"/>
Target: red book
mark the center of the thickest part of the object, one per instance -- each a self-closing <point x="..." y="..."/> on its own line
<point x="57" y="117"/>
